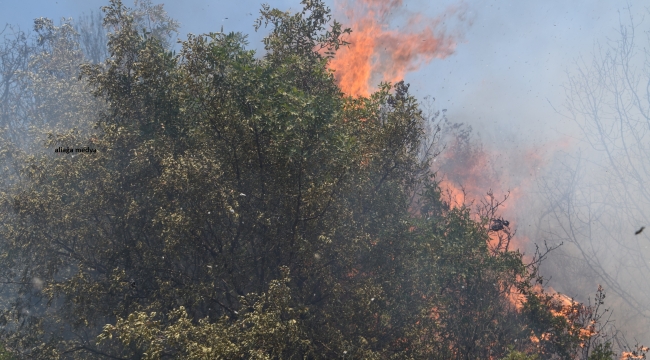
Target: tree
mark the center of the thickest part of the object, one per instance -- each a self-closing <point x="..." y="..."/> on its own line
<point x="92" y="37"/>
<point x="598" y="199"/>
<point x="14" y="59"/>
<point x="244" y="207"/>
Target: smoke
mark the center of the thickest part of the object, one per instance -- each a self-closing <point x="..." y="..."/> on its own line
<point x="472" y="174"/>
<point x="499" y="84"/>
<point x="524" y="148"/>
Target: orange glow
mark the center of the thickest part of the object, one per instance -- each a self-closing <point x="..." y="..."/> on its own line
<point x="381" y="51"/>
<point x="588" y="332"/>
<point x="630" y="355"/>
<point x="638" y="353"/>
<point x="377" y="53"/>
<point x="454" y="195"/>
<point x="469" y="171"/>
<point x="562" y="305"/>
<point x="516" y="299"/>
<point x="535" y="340"/>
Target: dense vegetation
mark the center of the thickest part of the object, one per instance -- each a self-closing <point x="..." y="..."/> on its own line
<point x="243" y="207"/>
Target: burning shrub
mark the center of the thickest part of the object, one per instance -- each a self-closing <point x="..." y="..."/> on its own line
<point x="242" y="207"/>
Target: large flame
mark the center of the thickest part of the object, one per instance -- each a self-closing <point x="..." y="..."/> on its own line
<point x="377" y="53"/>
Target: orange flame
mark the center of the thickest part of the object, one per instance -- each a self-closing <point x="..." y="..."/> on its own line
<point x="377" y="53"/>
<point x="469" y="171"/>
<point x="631" y="355"/>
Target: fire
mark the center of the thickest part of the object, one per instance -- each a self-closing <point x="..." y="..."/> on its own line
<point x="639" y="352"/>
<point x="515" y="298"/>
<point x="468" y="171"/>
<point x="631" y="355"/>
<point x="535" y="340"/>
<point x="562" y="305"/>
<point x="588" y="332"/>
<point x="377" y="53"/>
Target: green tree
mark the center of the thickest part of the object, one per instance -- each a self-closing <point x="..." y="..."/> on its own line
<point x="244" y="207"/>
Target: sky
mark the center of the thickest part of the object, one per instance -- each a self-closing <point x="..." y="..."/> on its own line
<point x="508" y="67"/>
<point x="505" y="77"/>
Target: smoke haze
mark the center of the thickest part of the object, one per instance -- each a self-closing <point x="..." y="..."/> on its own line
<point x="501" y="68"/>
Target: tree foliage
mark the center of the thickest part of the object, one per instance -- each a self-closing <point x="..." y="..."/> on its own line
<point x="244" y="207"/>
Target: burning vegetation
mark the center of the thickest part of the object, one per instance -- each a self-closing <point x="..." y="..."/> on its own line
<point x="241" y="206"/>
